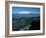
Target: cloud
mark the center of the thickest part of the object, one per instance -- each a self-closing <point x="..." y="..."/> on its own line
<point x="24" y="12"/>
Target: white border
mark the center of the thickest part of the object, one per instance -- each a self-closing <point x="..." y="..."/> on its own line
<point x="25" y="32"/>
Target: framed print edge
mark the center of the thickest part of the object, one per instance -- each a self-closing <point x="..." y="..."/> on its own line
<point x="7" y="19"/>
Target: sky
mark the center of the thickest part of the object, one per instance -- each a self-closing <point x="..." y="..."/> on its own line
<point x="25" y="11"/>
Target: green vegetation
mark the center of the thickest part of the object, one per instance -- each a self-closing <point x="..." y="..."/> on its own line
<point x="19" y="23"/>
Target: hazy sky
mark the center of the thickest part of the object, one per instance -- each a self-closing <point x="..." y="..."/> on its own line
<point x="25" y="10"/>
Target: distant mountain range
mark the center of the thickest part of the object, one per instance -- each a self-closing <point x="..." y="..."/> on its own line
<point x="31" y="17"/>
<point x="25" y="15"/>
